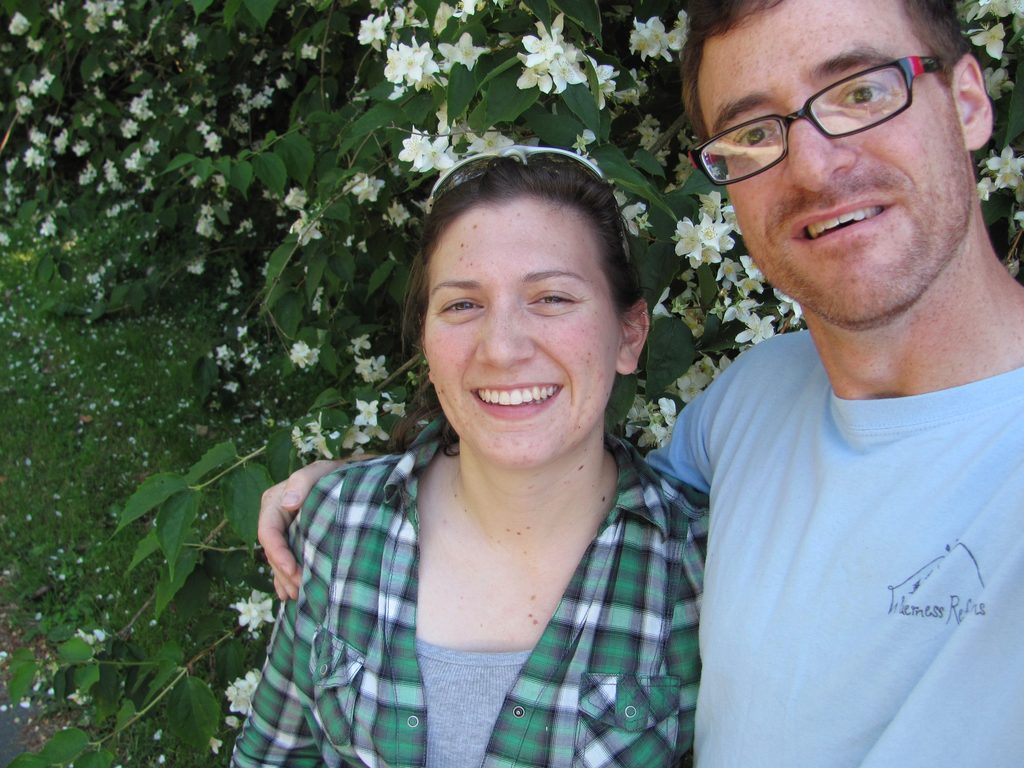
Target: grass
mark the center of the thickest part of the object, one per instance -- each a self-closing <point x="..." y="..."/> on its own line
<point x="90" y="410"/>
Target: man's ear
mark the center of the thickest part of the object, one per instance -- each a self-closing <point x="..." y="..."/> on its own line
<point x="636" y="324"/>
<point x="973" y="105"/>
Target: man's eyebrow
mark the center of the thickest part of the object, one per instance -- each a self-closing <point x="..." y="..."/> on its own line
<point x="860" y="57"/>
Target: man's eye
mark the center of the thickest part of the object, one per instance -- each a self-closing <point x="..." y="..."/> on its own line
<point x="863" y="94"/>
<point x="752" y="136"/>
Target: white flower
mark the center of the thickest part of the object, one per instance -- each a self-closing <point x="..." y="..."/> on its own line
<point x="426" y="154"/>
<point x="215" y="745"/>
<point x="364" y="187"/>
<point x="359" y="344"/>
<point x="992" y="40"/>
<point x="302" y="355"/>
<point x="703" y="243"/>
<point x="19" y="25"/>
<point x="411" y="65"/>
<point x="397" y="213"/>
<point x="371" y="369"/>
<point x="190" y="41"/>
<point x="758" y="329"/>
<point x="255" y="611"/>
<point x="489" y="143"/>
<point x="308" y="51"/>
<point x="34" y="158"/>
<point x="48" y="228"/>
<point x="295" y="199"/>
<point x="212" y="142"/>
<point x="463" y="52"/>
<point x="372" y="30"/>
<point x="367" y="416"/>
<point x="649" y="39"/>
<point x="1006" y="169"/>
<point x="306" y="229"/>
<point x="240" y="691"/>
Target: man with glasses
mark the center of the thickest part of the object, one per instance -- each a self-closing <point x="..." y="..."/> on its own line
<point x="864" y="588"/>
<point x="864" y="591"/>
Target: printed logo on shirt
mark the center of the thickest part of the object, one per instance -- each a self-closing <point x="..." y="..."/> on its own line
<point x="947" y="589"/>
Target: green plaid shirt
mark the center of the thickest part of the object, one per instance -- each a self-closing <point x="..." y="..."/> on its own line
<point x="611" y="682"/>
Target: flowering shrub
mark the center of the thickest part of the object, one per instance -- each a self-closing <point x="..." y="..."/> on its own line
<point x="285" y="150"/>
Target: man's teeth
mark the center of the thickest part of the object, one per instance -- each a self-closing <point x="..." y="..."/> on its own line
<point x="516" y="396"/>
<point x="814" y="230"/>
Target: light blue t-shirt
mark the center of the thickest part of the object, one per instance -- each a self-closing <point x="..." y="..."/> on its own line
<point x="864" y="591"/>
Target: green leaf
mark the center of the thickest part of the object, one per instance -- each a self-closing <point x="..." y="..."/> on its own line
<point x="1015" y="121"/>
<point x="281" y="458"/>
<point x="554" y="130"/>
<point x="621" y="400"/>
<point x="581" y="101"/>
<point x="505" y="101"/>
<point x="231" y="8"/>
<point x="23" y="668"/>
<point x="200" y="5"/>
<point x="271" y="170"/>
<point x="174" y="523"/>
<point x="670" y="353"/>
<point x="99" y="759"/>
<point x="620" y="170"/>
<point x="179" y="161"/>
<point x="542" y="10"/>
<point x="154" y="490"/>
<point x="380" y="274"/>
<point x="382" y="114"/>
<point x="215" y="457"/>
<point x="584" y="12"/>
<point x="261" y="10"/>
<point x="74" y="651"/>
<point x="168" y="587"/>
<point x="241" y="176"/>
<point x="193" y="713"/>
<point x="27" y="760"/>
<point x="65" y="746"/>
<point x="146" y="547"/>
<point x="243" y="489"/>
<point x="297" y="153"/>
<point x="287" y="312"/>
<point x="280" y="257"/>
<point x="461" y="89"/>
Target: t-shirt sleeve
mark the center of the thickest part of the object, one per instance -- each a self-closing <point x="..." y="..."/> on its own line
<point x="686" y="456"/>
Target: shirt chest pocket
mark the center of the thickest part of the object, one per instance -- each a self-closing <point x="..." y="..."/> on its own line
<point x="337" y="670"/>
<point x="627" y="720"/>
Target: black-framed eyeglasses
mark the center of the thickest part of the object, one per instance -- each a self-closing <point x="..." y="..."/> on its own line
<point x="475" y="165"/>
<point x="854" y="104"/>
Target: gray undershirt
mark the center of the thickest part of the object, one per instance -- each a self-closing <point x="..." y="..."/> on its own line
<point x="464" y="692"/>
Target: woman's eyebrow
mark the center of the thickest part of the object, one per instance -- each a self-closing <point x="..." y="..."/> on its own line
<point x="536" y="277"/>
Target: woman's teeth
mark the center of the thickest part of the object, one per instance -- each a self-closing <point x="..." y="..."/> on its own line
<point x="516" y="396"/>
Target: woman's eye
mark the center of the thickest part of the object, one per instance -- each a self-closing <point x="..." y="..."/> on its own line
<point x="555" y="300"/>
<point x="459" y="306"/>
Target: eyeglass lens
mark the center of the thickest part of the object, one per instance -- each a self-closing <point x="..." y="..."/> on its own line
<point x="846" y="107"/>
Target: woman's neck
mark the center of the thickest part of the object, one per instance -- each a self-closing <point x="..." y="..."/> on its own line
<point x="532" y="502"/>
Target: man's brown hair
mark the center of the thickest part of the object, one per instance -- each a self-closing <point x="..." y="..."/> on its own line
<point x="934" y="21"/>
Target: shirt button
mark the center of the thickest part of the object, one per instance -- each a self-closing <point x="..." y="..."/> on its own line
<point x="518" y="711"/>
<point x="323" y="669"/>
<point x="413" y="721"/>
<point x="630" y="711"/>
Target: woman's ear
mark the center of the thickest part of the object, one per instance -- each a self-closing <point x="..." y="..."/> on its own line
<point x="636" y="324"/>
<point x="973" y="105"/>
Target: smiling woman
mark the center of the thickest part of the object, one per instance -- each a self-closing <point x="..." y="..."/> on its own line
<point x="517" y="586"/>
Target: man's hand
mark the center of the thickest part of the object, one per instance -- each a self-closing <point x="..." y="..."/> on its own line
<point x="278" y="508"/>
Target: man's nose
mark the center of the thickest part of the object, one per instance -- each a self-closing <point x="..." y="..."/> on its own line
<point x="813" y="158"/>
